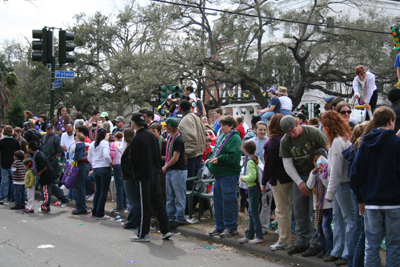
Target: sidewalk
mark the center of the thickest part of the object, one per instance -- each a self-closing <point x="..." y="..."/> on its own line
<point x="200" y="231"/>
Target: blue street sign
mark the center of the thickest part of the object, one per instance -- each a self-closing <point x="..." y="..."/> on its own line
<point x="57" y="84"/>
<point x="64" y="74"/>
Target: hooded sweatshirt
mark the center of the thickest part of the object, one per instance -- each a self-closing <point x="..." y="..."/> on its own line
<point x="375" y="178"/>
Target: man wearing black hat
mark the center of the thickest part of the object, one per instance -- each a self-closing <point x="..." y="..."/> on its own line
<point x="394" y="97"/>
<point x="145" y="157"/>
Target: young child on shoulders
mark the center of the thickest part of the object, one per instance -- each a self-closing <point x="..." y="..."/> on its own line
<point x="254" y="234"/>
<point x="18" y="178"/>
<point x="30" y="182"/>
<point x="318" y="182"/>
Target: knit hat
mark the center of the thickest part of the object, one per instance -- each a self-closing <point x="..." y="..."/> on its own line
<point x="396" y="35"/>
<point x="172" y="122"/>
<point x="288" y="123"/>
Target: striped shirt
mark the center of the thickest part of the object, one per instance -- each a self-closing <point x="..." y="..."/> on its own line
<point x="18" y="172"/>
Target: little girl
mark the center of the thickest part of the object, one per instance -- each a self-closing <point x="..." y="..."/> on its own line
<point x="254" y="194"/>
<point x="318" y="181"/>
<point x="30" y="182"/>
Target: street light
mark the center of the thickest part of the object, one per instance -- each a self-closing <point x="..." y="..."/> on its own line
<point x="153" y="99"/>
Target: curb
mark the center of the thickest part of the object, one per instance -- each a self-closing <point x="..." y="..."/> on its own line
<point x="297" y="260"/>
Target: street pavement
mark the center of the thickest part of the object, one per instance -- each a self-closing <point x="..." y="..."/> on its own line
<point x="84" y="241"/>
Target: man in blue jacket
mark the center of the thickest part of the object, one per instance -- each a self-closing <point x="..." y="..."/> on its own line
<point x="375" y="180"/>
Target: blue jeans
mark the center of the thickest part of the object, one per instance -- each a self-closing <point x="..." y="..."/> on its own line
<point x="89" y="185"/>
<point x="46" y="193"/>
<point x="175" y="186"/>
<point x="71" y="194"/>
<point x="80" y="195"/>
<point x="378" y="223"/>
<point x="102" y="177"/>
<point x="267" y="115"/>
<point x="119" y="183"/>
<point x="357" y="243"/>
<point x="286" y="112"/>
<point x="343" y="221"/>
<point x="19" y="194"/>
<point x="225" y="203"/>
<point x="5" y="183"/>
<point x="325" y="230"/>
<point x="255" y="228"/>
<point x="131" y="190"/>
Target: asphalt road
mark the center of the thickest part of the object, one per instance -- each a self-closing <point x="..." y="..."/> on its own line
<point x="84" y="241"/>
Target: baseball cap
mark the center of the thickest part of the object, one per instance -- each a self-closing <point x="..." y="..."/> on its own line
<point x="49" y="125"/>
<point x="301" y="116"/>
<point x="103" y="115"/>
<point x="170" y="97"/>
<point x="120" y="118"/>
<point x="272" y="90"/>
<point x="288" y="123"/>
<point x="172" y="122"/>
<point x="329" y="98"/>
<point x="138" y="118"/>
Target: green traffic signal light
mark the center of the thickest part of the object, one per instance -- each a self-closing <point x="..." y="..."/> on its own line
<point x="65" y="47"/>
<point x="176" y="91"/>
<point x="44" y="44"/>
<point x="316" y="110"/>
<point x="162" y="93"/>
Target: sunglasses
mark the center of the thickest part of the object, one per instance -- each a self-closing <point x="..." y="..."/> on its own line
<point x="344" y="112"/>
<point x="362" y="74"/>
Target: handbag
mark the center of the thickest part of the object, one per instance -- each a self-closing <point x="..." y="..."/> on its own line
<point x="70" y="177"/>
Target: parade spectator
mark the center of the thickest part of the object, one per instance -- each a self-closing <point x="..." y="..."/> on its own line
<point x="176" y="174"/>
<point x="225" y="166"/>
<point x="89" y="179"/>
<point x="208" y="151"/>
<point x="294" y="149"/>
<point x="313" y="122"/>
<point x="22" y="142"/>
<point x="67" y="139"/>
<point x="286" y="102"/>
<point x="344" y="111"/>
<point x="240" y="128"/>
<point x="18" y="179"/>
<point x="394" y="97"/>
<point x="43" y="169"/>
<point x="280" y="181"/>
<point x="338" y="133"/>
<point x="42" y="122"/>
<point x="217" y="115"/>
<point x="302" y="118"/>
<point x="375" y="183"/>
<point x="191" y="97"/>
<point x="194" y="136"/>
<point x="148" y="116"/>
<point x="50" y="146"/>
<point x="145" y="158"/>
<point x="118" y="180"/>
<point x="274" y="106"/>
<point x="105" y="119"/>
<point x="99" y="157"/>
<point x="8" y="145"/>
<point x="30" y="182"/>
<point x="156" y="130"/>
<point x="328" y="102"/>
<point x="94" y="124"/>
<point x="204" y="120"/>
<point x="32" y="134"/>
<point x="254" y="234"/>
<point x="61" y="120"/>
<point x="28" y="117"/>
<point x="120" y="125"/>
<point x="365" y="89"/>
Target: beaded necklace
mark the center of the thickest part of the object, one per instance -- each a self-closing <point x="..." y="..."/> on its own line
<point x="91" y="130"/>
<point x="160" y="140"/>
<point x="46" y="147"/>
<point x="34" y="165"/>
<point x="221" y="143"/>
<point x="60" y="123"/>
<point x="170" y="146"/>
<point x="319" y="192"/>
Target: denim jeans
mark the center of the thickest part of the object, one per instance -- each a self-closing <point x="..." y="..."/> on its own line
<point x="357" y="243"/>
<point x="80" y="195"/>
<point x="131" y="190"/>
<point x="119" y="184"/>
<point x="267" y="116"/>
<point x="89" y="185"/>
<point x="255" y="228"/>
<point x="46" y="193"/>
<point x="102" y="177"/>
<point x="5" y="183"/>
<point x="343" y="221"/>
<point x="19" y="194"/>
<point x="175" y="186"/>
<point x="325" y="230"/>
<point x="225" y="202"/>
<point x="378" y="223"/>
<point x="286" y="112"/>
<point x="71" y="194"/>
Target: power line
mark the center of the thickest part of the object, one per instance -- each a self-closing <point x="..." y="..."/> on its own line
<point x="276" y="19"/>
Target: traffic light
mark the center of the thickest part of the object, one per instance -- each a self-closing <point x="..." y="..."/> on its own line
<point x="176" y="91"/>
<point x="304" y="109"/>
<point x="44" y="44"/>
<point x="316" y="110"/>
<point x="65" y="47"/>
<point x="163" y="93"/>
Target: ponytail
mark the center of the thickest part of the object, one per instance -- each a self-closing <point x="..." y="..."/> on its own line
<point x="254" y="158"/>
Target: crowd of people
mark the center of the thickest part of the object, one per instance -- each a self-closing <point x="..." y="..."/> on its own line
<point x="322" y="170"/>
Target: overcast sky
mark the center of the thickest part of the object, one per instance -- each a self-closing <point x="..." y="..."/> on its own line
<point x="19" y="17"/>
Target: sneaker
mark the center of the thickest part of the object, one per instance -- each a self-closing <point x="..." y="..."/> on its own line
<point x="90" y="198"/>
<point x="276" y="232"/>
<point x="255" y="241"/>
<point x="140" y="239"/>
<point x="243" y="240"/>
<point x="126" y="211"/>
<point x="63" y="205"/>
<point x="42" y="211"/>
<point x="279" y="245"/>
<point x="105" y="217"/>
<point x="166" y="236"/>
<point x="216" y="232"/>
<point x="115" y="210"/>
<point x="75" y="212"/>
<point x="29" y="211"/>
<point x="228" y="233"/>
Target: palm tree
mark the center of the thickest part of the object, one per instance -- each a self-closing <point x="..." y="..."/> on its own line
<point x="7" y="81"/>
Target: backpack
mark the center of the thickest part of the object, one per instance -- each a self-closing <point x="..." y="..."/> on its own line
<point x="126" y="165"/>
<point x="36" y="136"/>
<point x="261" y="174"/>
